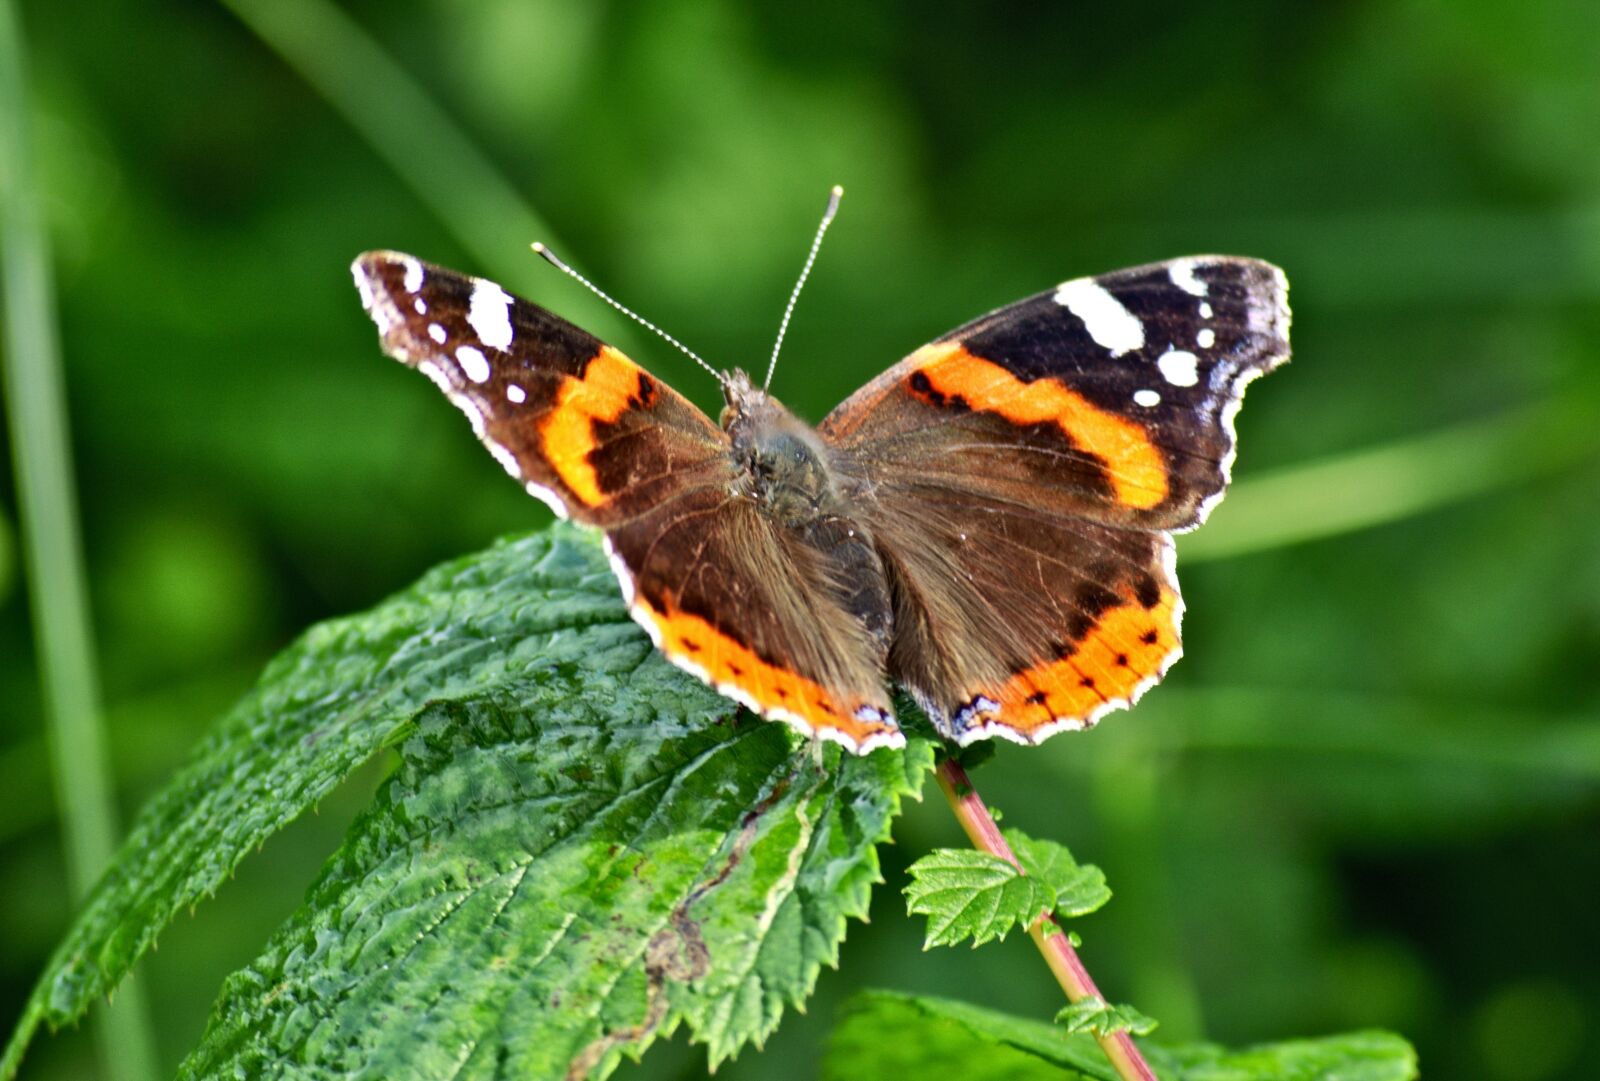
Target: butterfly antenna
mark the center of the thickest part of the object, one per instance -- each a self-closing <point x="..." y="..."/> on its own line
<point x="805" y="272"/>
<point x="555" y="261"/>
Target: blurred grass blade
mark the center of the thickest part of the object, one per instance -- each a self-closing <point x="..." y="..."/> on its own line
<point x="420" y="142"/>
<point x="8" y="558"/>
<point x="47" y="500"/>
<point x="1444" y="737"/>
<point x="1386" y="484"/>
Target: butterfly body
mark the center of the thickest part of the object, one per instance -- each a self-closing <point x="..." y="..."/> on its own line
<point x="987" y="523"/>
<point x="785" y="468"/>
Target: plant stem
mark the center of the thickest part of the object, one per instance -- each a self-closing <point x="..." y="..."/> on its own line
<point x="47" y="504"/>
<point x="1053" y="943"/>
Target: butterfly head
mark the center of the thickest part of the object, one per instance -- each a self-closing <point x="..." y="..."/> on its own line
<point x="741" y="396"/>
<point x="783" y="465"/>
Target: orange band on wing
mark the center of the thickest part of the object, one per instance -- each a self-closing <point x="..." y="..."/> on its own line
<point x="1137" y="472"/>
<point x="610" y="385"/>
<point x="1127" y="646"/>
<point x="692" y="643"/>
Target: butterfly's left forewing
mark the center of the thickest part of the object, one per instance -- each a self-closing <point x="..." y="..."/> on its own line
<point x="566" y="414"/>
<point x="1022" y="475"/>
<point x="721" y="590"/>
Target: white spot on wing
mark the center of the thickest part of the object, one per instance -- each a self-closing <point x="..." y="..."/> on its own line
<point x="413" y="278"/>
<point x="490" y="314"/>
<point x="1205" y="311"/>
<point x="420" y="305"/>
<point x="516" y="394"/>
<point x="1147" y="398"/>
<point x="1206" y="338"/>
<point x="436" y="332"/>
<point x="1181" y="271"/>
<point x="1107" y="321"/>
<point x="1178" y="367"/>
<point x="474" y="363"/>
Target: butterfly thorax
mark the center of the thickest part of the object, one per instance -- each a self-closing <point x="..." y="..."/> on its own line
<point x="782" y="465"/>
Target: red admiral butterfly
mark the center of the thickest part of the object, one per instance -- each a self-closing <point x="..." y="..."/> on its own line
<point x="988" y="522"/>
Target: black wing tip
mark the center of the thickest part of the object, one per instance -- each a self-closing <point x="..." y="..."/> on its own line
<point x="383" y="278"/>
<point x="1267" y="312"/>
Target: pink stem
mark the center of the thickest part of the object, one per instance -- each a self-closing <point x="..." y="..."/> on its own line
<point x="1053" y="943"/>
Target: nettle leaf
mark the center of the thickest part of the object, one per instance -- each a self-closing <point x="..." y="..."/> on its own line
<point x="577" y="852"/>
<point x="1099" y="1017"/>
<point x="971" y="894"/>
<point x="1080" y="888"/>
<point x="973" y="1042"/>
<point x="966" y="893"/>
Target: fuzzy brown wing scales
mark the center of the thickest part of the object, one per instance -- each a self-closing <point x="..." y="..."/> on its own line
<point x="761" y="614"/>
<point x="1017" y="623"/>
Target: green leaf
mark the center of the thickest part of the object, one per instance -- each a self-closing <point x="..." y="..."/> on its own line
<point x="576" y="853"/>
<point x="1354" y="1056"/>
<point x="892" y="1034"/>
<point x="973" y="1042"/>
<point x="1080" y="888"/>
<point x="1101" y="1018"/>
<point x="970" y="894"/>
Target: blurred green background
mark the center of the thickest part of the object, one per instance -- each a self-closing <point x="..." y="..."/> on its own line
<point x="1370" y="794"/>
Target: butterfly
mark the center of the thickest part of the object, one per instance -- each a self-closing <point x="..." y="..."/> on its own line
<point x="988" y="523"/>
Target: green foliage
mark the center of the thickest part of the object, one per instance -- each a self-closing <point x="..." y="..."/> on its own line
<point x="577" y="852"/>
<point x="969" y="894"/>
<point x="978" y="895"/>
<point x="1080" y="888"/>
<point x="8" y="558"/>
<point x="1097" y="1016"/>
<point x="889" y="1034"/>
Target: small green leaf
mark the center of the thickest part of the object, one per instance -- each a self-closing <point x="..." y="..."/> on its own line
<point x="1097" y="1016"/>
<point x="970" y="894"/>
<point x="1080" y="888"/>
<point x="956" y="1039"/>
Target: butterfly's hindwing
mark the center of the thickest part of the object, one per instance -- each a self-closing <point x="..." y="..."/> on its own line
<point x="1016" y="622"/>
<point x="749" y="607"/>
